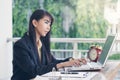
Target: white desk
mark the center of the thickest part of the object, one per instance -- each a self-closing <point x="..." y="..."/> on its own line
<point x="64" y="77"/>
<point x="107" y="73"/>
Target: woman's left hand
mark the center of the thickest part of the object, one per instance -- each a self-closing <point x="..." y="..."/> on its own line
<point x="78" y="62"/>
<point x="73" y="62"/>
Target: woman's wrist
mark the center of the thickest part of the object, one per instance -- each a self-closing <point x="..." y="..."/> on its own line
<point x="60" y="65"/>
<point x="64" y="64"/>
<point x="71" y="59"/>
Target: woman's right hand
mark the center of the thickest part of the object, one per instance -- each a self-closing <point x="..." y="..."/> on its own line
<point x="75" y="62"/>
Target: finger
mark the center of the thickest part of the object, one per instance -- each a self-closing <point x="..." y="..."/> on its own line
<point x="75" y="62"/>
<point x="83" y="61"/>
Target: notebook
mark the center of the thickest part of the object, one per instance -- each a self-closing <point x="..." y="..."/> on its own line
<point x="95" y="66"/>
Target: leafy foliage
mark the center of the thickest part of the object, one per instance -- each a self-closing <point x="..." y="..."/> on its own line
<point x="115" y="56"/>
<point x="72" y="18"/>
<point x="87" y="17"/>
<point x="21" y="13"/>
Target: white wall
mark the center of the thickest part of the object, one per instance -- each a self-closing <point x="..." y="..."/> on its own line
<point x="5" y="32"/>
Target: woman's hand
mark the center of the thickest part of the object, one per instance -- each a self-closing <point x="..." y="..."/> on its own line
<point x="73" y="62"/>
<point x="82" y="61"/>
<point x="77" y="62"/>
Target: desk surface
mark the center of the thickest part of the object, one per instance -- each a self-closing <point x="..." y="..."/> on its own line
<point x="110" y="70"/>
<point x="107" y="73"/>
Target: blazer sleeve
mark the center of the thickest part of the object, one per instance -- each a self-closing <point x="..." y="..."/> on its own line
<point x="56" y="61"/>
<point x="24" y="61"/>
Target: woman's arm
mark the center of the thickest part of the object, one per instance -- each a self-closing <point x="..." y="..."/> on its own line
<point x="68" y="62"/>
<point x="54" y="60"/>
<point x="23" y="59"/>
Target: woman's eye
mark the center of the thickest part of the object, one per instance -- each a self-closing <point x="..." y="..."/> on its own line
<point x="46" y="22"/>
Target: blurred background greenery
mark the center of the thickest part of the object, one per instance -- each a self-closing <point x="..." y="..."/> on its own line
<point x="72" y="19"/>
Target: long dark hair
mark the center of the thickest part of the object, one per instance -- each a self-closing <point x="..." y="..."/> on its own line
<point x="37" y="15"/>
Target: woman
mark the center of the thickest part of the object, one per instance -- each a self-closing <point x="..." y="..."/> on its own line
<point x="31" y="54"/>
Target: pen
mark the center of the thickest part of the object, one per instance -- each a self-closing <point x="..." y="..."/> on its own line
<point x="69" y="73"/>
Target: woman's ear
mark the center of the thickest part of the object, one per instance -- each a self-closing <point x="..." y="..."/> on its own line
<point x="34" y="22"/>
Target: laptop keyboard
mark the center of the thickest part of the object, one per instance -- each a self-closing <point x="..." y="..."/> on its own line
<point x="86" y="66"/>
<point x="93" y="64"/>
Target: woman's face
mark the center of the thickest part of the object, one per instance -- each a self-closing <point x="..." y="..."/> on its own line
<point x="42" y="27"/>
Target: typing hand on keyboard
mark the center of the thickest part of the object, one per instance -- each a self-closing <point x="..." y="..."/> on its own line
<point x="78" y="62"/>
<point x="83" y="66"/>
<point x="83" y="61"/>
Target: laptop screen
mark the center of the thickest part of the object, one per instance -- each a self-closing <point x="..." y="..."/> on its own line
<point x="106" y="48"/>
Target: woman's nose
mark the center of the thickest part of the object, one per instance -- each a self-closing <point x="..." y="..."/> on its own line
<point x="48" y="27"/>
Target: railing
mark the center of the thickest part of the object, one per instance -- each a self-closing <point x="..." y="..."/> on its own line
<point x="75" y="52"/>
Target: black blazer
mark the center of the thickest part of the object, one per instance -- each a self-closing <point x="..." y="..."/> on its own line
<point x="26" y="63"/>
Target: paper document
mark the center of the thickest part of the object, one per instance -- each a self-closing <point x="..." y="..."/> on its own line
<point x="70" y="74"/>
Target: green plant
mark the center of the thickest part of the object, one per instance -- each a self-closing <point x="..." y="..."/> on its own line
<point x="114" y="57"/>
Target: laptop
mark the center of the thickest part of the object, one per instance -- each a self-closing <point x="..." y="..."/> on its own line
<point x="97" y="66"/>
